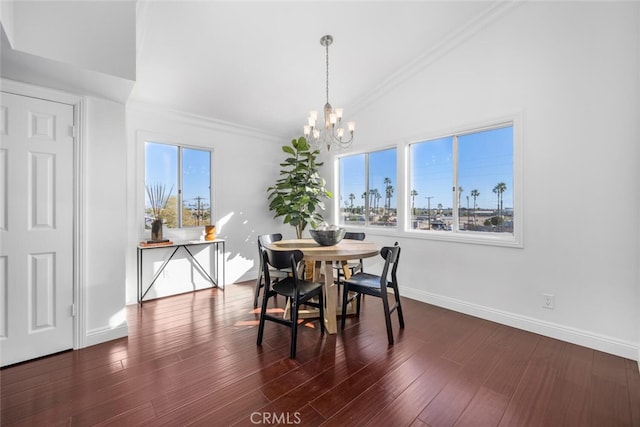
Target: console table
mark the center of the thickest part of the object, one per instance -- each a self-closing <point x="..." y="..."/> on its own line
<point x="213" y="275"/>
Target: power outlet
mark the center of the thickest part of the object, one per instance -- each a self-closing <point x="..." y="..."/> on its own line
<point x="548" y="301"/>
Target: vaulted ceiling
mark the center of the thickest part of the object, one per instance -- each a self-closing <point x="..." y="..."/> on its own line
<point x="260" y="64"/>
<point x="251" y="64"/>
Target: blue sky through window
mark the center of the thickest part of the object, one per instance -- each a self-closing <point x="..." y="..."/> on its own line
<point x="484" y="159"/>
<point x="162" y="168"/>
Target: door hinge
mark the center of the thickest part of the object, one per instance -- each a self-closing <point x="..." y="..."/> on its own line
<point x="73" y="310"/>
<point x="74" y="131"/>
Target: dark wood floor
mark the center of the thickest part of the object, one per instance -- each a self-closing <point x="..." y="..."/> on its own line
<point x="192" y="359"/>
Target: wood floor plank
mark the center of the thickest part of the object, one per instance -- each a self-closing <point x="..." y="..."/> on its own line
<point x="411" y="402"/>
<point x="455" y="397"/>
<point x="609" y="395"/>
<point x="485" y="409"/>
<point x="568" y="399"/>
<point x="529" y="402"/>
<point x="634" y="390"/>
<point x="192" y="359"/>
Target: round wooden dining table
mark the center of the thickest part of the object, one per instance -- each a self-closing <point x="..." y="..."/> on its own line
<point x="314" y="253"/>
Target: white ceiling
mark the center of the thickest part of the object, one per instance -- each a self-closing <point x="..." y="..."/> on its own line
<point x="260" y="64"/>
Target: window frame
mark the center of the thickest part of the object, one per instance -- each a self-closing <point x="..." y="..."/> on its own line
<point x="143" y="138"/>
<point x="514" y="240"/>
<point x="367" y="153"/>
<point x="498" y="239"/>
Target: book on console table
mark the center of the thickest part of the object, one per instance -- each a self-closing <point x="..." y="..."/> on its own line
<point x="152" y="243"/>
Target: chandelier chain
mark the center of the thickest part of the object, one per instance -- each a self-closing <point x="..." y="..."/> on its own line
<point x="326" y="49"/>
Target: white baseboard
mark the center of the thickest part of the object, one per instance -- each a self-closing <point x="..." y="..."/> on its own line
<point x="104" y="334"/>
<point x="622" y="348"/>
<point x="248" y="276"/>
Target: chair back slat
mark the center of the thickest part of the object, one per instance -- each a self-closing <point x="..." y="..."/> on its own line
<point x="281" y="260"/>
<point x="266" y="239"/>
<point x="352" y="235"/>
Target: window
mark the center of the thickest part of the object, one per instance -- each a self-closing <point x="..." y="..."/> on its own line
<point x="377" y="172"/>
<point x="463" y="183"/>
<point x="184" y="177"/>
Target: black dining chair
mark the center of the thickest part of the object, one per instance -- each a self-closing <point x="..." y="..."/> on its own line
<point x="296" y="290"/>
<point x="376" y="285"/>
<point x="353" y="265"/>
<point x="263" y="241"/>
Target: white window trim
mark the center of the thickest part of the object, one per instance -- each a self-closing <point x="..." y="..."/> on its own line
<point x="515" y="240"/>
<point x="174" y="233"/>
<point x="336" y="188"/>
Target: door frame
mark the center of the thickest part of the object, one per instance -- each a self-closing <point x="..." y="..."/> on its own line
<point x="79" y="117"/>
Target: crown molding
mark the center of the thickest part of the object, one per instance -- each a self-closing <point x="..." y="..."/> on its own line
<point x="196" y="120"/>
<point x="430" y="56"/>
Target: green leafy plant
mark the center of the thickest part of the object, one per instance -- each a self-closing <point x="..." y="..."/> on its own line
<point x="297" y="195"/>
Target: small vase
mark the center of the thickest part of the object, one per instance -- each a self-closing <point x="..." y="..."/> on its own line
<point x="156" y="230"/>
<point x="210" y="232"/>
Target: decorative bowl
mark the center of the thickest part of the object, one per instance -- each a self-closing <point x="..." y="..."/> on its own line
<point x="328" y="237"/>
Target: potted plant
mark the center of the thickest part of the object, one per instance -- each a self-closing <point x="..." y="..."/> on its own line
<point x="158" y="198"/>
<point x="297" y="195"/>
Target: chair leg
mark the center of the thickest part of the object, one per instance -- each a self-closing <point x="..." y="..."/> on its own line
<point x="258" y="286"/>
<point x="387" y="317"/>
<point x="294" y="327"/>
<point x="321" y="299"/>
<point x="399" y="307"/>
<point x="265" y="300"/>
<point x="345" y="295"/>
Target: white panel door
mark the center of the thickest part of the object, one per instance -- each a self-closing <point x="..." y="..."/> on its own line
<point x="36" y="228"/>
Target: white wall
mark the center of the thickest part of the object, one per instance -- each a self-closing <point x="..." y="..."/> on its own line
<point x="104" y="240"/>
<point x="244" y="164"/>
<point x="572" y="70"/>
<point x="6" y="18"/>
<point x="94" y="35"/>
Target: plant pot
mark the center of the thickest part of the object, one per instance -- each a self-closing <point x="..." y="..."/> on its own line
<point x="156" y="230"/>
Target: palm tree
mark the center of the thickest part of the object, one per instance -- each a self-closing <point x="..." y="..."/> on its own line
<point x="500" y="188"/>
<point x="373" y="198"/>
<point x="388" y="191"/>
<point x="414" y="193"/>
<point x="460" y="190"/>
<point x="352" y="197"/>
<point x="365" y="204"/>
<point x="474" y="193"/>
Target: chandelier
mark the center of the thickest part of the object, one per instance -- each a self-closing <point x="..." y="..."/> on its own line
<point x="330" y="133"/>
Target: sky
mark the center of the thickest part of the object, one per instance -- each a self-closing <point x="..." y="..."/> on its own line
<point x="162" y="168"/>
<point x="485" y="159"/>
